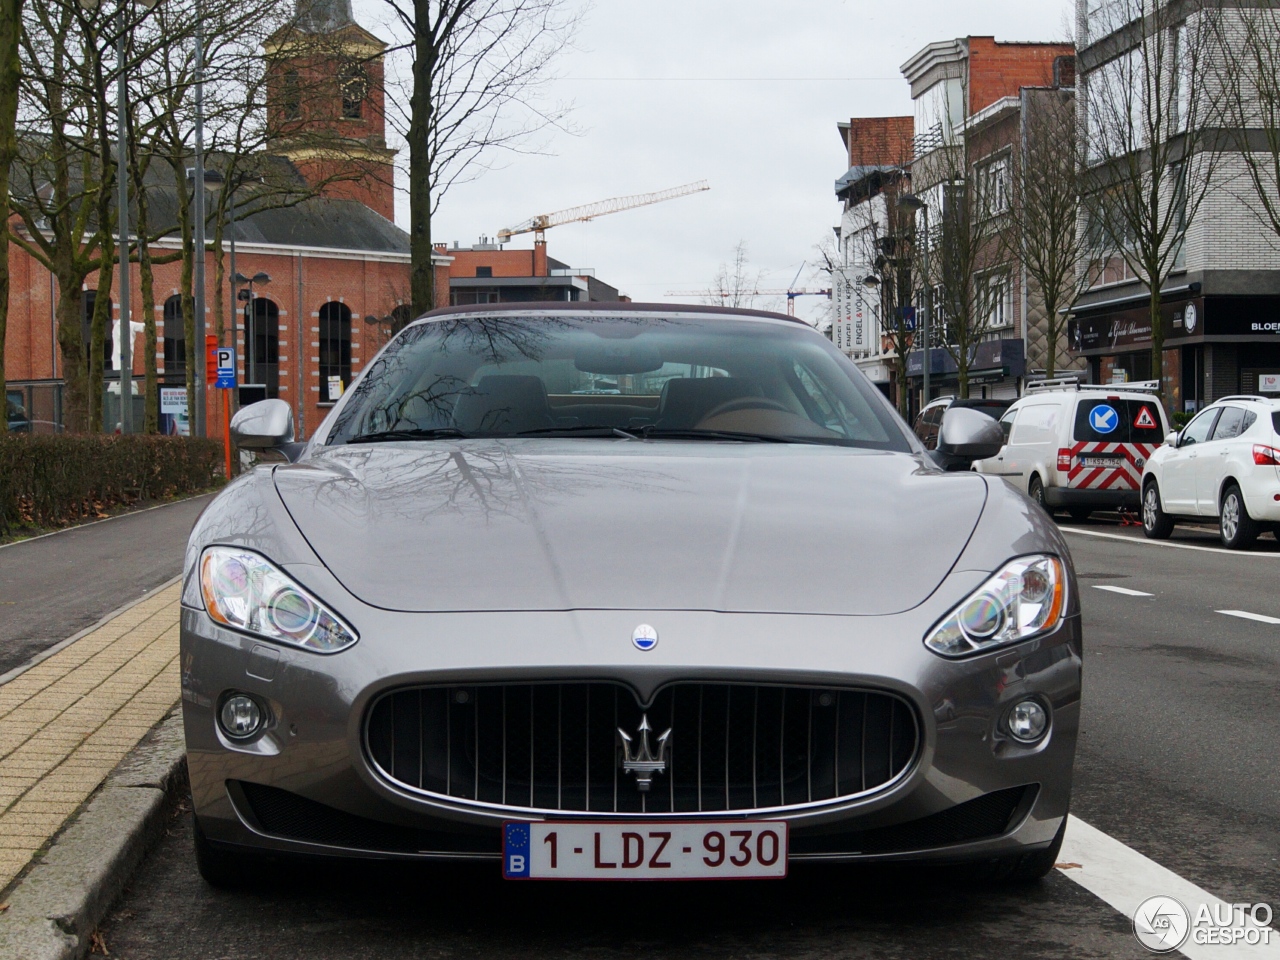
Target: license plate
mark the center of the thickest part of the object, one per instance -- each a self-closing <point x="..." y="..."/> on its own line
<point x="732" y="850"/>
<point x="1101" y="462"/>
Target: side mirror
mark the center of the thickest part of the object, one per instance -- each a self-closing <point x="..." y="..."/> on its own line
<point x="966" y="436"/>
<point x="266" y="428"/>
<point x="1172" y="439"/>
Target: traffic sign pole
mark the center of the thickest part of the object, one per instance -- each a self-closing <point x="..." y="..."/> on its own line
<point x="222" y="362"/>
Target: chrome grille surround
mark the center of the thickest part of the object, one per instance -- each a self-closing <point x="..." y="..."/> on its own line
<point x="553" y="748"/>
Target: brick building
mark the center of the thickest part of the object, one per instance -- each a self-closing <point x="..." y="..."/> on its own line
<point x="333" y="260"/>
<point x="488" y="273"/>
<point x="969" y="96"/>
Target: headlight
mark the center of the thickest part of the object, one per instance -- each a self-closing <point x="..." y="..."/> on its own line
<point x="1026" y="598"/>
<point x="245" y="591"/>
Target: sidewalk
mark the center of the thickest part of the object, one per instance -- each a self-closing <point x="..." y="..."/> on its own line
<point x="66" y="722"/>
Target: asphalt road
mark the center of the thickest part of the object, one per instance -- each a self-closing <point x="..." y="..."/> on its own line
<point x="1177" y="761"/>
<point x="55" y="586"/>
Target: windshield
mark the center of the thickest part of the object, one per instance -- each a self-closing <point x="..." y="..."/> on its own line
<point x="651" y="376"/>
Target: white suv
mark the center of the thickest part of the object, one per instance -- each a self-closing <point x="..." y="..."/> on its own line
<point x="1224" y="464"/>
<point x="1080" y="447"/>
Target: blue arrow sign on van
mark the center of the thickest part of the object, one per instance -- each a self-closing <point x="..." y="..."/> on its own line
<point x="1104" y="418"/>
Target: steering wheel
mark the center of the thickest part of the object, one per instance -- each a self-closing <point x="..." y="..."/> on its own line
<point x="744" y="403"/>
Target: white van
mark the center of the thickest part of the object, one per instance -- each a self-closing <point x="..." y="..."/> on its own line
<point x="1080" y="447"/>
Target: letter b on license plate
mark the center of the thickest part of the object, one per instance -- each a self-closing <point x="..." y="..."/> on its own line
<point x="644" y="851"/>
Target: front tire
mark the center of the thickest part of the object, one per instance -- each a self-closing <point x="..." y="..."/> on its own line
<point x="1237" y="529"/>
<point x="1156" y="524"/>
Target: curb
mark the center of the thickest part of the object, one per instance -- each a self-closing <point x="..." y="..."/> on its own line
<point x="56" y="906"/>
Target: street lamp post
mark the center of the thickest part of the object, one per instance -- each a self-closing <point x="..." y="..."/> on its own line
<point x="122" y="205"/>
<point x="909" y="201"/>
<point x="199" y="412"/>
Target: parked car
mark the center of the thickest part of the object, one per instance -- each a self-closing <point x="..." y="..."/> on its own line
<point x="1225" y="465"/>
<point x="16" y="416"/>
<point x="730" y="618"/>
<point x="929" y="419"/>
<point x="1080" y="447"/>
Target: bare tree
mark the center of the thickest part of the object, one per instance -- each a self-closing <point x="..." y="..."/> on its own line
<point x="1251" y="81"/>
<point x="1044" y="214"/>
<point x="968" y="219"/>
<point x="10" y="76"/>
<point x="478" y="86"/>
<point x="1150" y="119"/>
<point x="735" y="283"/>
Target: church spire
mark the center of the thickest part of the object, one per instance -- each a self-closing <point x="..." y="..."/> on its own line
<point x="324" y="16"/>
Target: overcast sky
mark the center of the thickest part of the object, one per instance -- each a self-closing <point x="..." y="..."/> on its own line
<point x="745" y="94"/>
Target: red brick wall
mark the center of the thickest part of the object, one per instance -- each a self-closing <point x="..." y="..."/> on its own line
<point x="371" y="286"/>
<point x="999" y="70"/>
<point x="503" y="263"/>
<point x="877" y="141"/>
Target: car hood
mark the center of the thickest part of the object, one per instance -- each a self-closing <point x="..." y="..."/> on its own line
<point x="585" y="524"/>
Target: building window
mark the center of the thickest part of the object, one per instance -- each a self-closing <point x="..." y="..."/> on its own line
<point x="175" y="336"/>
<point x="335" y="350"/>
<point x="998" y="301"/>
<point x="87" y="304"/>
<point x="355" y="87"/>
<point x="291" y="99"/>
<point x="262" y="344"/>
<point x="484" y="272"/>
<point x="993" y="187"/>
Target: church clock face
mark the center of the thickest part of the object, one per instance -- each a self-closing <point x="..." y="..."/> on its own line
<point x="355" y="87"/>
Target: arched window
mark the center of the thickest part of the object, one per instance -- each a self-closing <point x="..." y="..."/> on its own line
<point x="87" y="304"/>
<point x="175" y="336"/>
<point x="262" y="344"/>
<point x="335" y="348"/>
<point x="291" y="96"/>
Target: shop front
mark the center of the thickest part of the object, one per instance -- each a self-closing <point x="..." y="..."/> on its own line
<point x="1213" y="345"/>
<point x="995" y="370"/>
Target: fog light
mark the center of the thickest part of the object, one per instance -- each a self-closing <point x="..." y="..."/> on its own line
<point x="1028" y="721"/>
<point x="240" y="717"/>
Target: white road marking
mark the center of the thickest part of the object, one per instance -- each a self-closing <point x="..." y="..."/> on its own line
<point x="1123" y="591"/>
<point x="1246" y="615"/>
<point x="1251" y="554"/>
<point x="1123" y="878"/>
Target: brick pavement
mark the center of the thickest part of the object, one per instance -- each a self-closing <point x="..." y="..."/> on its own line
<point x="67" y="721"/>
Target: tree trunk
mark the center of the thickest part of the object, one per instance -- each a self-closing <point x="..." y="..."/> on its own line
<point x="98" y="326"/>
<point x="71" y="347"/>
<point x="422" y="286"/>
<point x="1157" y="343"/>
<point x="10" y="31"/>
<point x="146" y="288"/>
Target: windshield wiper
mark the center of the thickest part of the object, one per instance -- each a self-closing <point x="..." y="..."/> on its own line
<point x="596" y="429"/>
<point x="658" y="433"/>
<point x="433" y="433"/>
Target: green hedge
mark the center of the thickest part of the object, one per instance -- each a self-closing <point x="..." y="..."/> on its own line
<point x="49" y="481"/>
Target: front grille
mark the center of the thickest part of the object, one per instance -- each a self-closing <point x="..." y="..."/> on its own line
<point x="555" y="747"/>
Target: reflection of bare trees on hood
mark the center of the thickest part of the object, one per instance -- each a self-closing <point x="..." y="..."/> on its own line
<point x="483" y="480"/>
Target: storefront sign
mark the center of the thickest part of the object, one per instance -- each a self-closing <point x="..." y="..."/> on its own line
<point x="1269" y="383"/>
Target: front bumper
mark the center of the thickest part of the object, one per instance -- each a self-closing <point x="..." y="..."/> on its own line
<point x="312" y="752"/>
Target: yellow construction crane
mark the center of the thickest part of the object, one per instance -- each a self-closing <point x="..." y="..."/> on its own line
<point x="545" y="221"/>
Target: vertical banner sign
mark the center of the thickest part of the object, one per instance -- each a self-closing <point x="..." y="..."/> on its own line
<point x="843" y="290"/>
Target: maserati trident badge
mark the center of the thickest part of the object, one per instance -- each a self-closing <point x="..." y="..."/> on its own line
<point x="644" y="637"/>
<point x="638" y="758"/>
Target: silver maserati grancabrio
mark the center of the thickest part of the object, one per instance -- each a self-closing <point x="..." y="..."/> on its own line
<point x="620" y="591"/>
